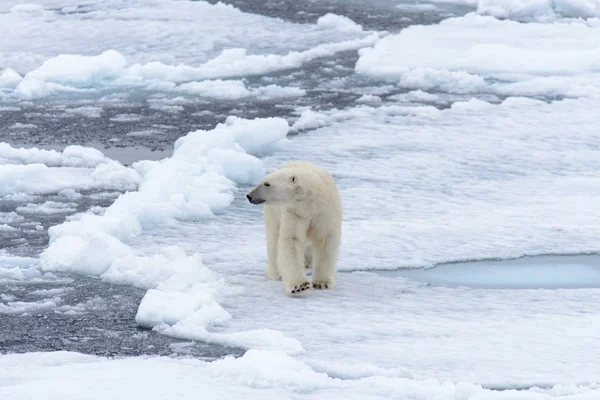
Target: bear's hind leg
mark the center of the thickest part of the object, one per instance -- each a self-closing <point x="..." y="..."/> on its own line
<point x="308" y="256"/>
<point x="324" y="262"/>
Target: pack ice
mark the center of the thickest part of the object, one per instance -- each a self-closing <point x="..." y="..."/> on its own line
<point x="483" y="145"/>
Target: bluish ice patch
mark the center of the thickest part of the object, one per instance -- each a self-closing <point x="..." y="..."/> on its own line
<point x="541" y="272"/>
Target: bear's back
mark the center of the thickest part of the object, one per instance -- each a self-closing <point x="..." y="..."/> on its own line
<point x="321" y="172"/>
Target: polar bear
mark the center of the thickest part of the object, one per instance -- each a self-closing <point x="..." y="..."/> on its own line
<point x="303" y="223"/>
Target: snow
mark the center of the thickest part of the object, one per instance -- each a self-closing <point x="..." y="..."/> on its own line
<point x="479" y="54"/>
<point x="527" y="10"/>
<point x="259" y="374"/>
<point x="490" y="198"/>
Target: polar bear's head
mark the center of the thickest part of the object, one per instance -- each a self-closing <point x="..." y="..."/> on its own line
<point x="284" y="187"/>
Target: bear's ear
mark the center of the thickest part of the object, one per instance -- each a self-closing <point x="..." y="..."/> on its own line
<point x="293" y="179"/>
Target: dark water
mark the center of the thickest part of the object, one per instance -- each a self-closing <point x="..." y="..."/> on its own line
<point x="87" y="316"/>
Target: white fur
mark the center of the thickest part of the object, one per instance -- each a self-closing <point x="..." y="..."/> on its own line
<point x="303" y="218"/>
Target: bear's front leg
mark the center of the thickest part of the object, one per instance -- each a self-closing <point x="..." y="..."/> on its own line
<point x="272" y="232"/>
<point x="290" y="252"/>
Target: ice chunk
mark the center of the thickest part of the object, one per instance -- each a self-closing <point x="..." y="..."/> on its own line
<point x="368" y="98"/>
<point x="528" y="10"/>
<point x="91" y="255"/>
<point x="71" y="156"/>
<point x="78" y="70"/>
<point x="85" y="111"/>
<point x="27" y="9"/>
<point x="31" y="89"/>
<point x="227" y="90"/>
<point x="340" y="22"/>
<point x="49" y="171"/>
<point x="48" y="207"/>
<point x="22" y="307"/>
<point x="474" y="54"/>
<point x="70" y="194"/>
<point x="236" y="62"/>
<point x="7" y="228"/>
<point x="191" y="184"/>
<point x="9" y="78"/>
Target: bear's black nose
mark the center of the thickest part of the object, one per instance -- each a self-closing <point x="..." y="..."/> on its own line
<point x="249" y="198"/>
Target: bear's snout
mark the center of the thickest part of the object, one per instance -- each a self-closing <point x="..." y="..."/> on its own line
<point x="253" y="199"/>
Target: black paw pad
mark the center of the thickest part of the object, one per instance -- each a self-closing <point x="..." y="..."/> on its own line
<point x="321" y="285"/>
<point x="301" y="287"/>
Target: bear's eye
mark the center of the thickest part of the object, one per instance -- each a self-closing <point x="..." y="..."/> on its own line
<point x="293" y="179"/>
<point x="267" y="184"/>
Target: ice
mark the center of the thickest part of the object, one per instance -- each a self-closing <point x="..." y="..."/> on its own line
<point x="126" y="118"/>
<point x="475" y="54"/>
<point x="415" y="96"/>
<point x="24" y="269"/>
<point x="10" y="217"/>
<point x="27" y="9"/>
<point x="340" y="22"/>
<point x="23" y="307"/>
<point x="19" y="125"/>
<point x="147" y="132"/>
<point x="193" y="184"/>
<point x="48" y="207"/>
<point x="9" y="79"/>
<point x="468" y="172"/>
<point x="77" y="70"/>
<point x="70" y="156"/>
<point x="539" y="272"/>
<point x="527" y="10"/>
<point x="39" y="171"/>
<point x="259" y="374"/>
<point x="7" y="228"/>
<point x="41" y="179"/>
<point x="85" y="111"/>
<point x="236" y="62"/>
<point x="234" y="90"/>
<point x="33" y="89"/>
<point x="50" y="292"/>
<point x="227" y="90"/>
<point x="416" y="7"/>
<point x="70" y="194"/>
<point x="9" y="108"/>
<point x="228" y="44"/>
